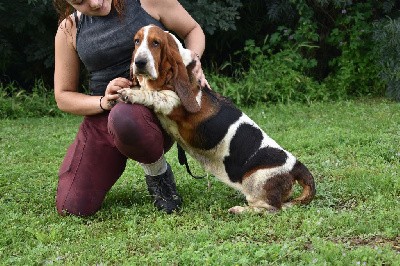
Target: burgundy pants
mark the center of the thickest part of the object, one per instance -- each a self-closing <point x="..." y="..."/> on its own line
<point x="97" y="157"/>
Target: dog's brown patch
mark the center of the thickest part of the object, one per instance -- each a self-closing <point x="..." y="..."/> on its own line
<point x="278" y="188"/>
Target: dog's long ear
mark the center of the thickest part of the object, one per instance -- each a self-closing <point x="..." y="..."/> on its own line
<point x="186" y="95"/>
<point x="180" y="78"/>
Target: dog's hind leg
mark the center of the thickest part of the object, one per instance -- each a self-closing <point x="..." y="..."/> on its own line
<point x="265" y="196"/>
<point x="303" y="176"/>
<point x="278" y="189"/>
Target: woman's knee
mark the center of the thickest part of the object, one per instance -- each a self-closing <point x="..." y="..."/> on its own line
<point x="129" y="122"/>
<point x="79" y="203"/>
<point x="137" y="132"/>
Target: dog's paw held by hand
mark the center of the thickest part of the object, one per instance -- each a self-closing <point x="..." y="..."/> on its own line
<point x="124" y="95"/>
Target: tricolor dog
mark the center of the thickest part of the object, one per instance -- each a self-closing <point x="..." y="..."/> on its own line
<point x="225" y="141"/>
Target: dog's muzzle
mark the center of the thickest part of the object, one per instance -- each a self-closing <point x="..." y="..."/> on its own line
<point x="140" y="64"/>
<point x="144" y="66"/>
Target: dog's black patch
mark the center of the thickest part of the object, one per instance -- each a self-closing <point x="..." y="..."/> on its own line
<point x="245" y="153"/>
<point x="211" y="131"/>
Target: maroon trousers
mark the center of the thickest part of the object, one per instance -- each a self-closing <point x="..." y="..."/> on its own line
<point x="98" y="155"/>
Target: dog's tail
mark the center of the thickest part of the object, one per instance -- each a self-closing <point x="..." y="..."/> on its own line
<point x="306" y="180"/>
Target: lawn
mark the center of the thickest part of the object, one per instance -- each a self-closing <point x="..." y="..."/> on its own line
<point x="351" y="147"/>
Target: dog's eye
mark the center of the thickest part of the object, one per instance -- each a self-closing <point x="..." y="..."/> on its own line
<point x="137" y="41"/>
<point x="156" y="43"/>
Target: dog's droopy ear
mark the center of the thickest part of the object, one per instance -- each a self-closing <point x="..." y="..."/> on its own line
<point x="180" y="81"/>
<point x="185" y="93"/>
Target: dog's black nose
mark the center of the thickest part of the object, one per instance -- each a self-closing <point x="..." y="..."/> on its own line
<point x="140" y="63"/>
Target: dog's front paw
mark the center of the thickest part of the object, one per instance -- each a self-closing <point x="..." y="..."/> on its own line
<point x="125" y="95"/>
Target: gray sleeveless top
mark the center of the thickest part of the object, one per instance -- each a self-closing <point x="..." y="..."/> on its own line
<point x="105" y="44"/>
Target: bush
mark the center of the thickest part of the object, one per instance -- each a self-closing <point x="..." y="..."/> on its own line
<point x="16" y="102"/>
<point x="327" y="54"/>
<point x="355" y="71"/>
<point x="272" y="77"/>
<point x="214" y="15"/>
<point x="387" y="40"/>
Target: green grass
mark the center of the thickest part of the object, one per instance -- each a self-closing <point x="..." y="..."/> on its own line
<point x="352" y="148"/>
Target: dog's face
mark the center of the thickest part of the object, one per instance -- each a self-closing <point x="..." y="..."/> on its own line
<point x="151" y="45"/>
<point x="158" y="62"/>
<point x="147" y="53"/>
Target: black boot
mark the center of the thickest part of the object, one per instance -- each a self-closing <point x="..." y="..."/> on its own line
<point x="163" y="190"/>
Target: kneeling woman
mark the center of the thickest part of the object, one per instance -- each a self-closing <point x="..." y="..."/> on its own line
<point x="100" y="34"/>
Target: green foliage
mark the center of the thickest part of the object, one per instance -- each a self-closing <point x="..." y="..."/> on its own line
<point x="272" y="77"/>
<point x="387" y="40"/>
<point x="355" y="69"/>
<point x="214" y="15"/>
<point x="306" y="28"/>
<point x="352" y="221"/>
<point x="280" y="11"/>
<point x="15" y="102"/>
<point x="252" y="23"/>
<point x="327" y="54"/>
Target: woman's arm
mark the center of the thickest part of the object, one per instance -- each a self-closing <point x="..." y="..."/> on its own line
<point x="66" y="76"/>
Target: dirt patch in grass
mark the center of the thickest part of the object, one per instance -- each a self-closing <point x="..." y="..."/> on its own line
<point x="373" y="241"/>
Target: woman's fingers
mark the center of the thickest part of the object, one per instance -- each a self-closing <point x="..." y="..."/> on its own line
<point x="201" y="78"/>
<point x="111" y="94"/>
<point x="116" y="84"/>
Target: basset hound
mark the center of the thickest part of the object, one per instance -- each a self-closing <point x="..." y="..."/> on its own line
<point x="225" y="141"/>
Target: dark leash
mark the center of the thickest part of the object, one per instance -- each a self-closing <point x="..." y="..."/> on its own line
<point x="183" y="161"/>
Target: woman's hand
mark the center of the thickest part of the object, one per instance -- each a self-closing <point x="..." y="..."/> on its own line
<point x="198" y="71"/>
<point x="111" y="95"/>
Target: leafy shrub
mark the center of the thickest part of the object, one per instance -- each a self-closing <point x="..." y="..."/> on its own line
<point x="279" y="77"/>
<point x="355" y="71"/>
<point x="225" y="85"/>
<point x="16" y="102"/>
<point x="214" y="15"/>
<point x="272" y="77"/>
<point x="387" y="40"/>
<point x="327" y="54"/>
